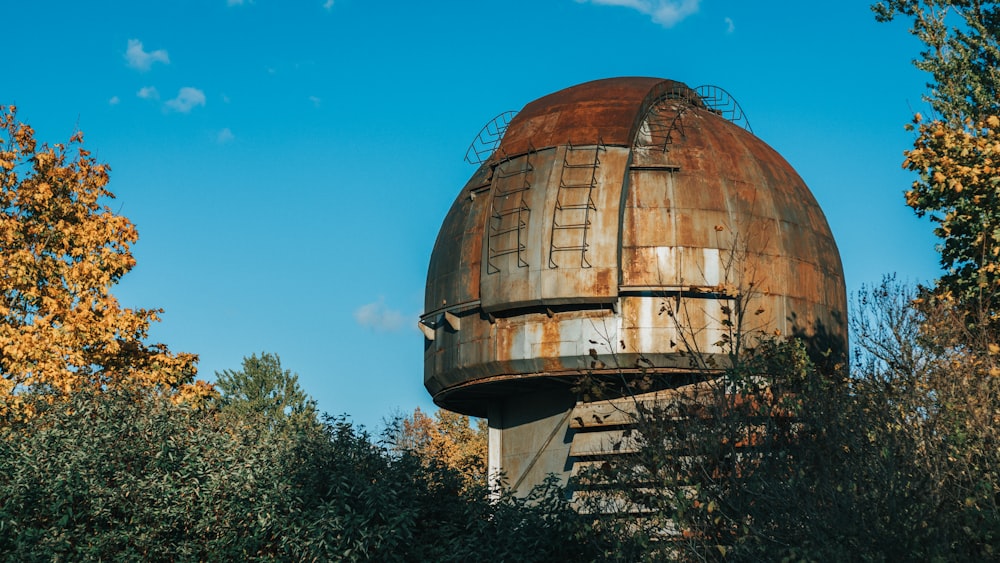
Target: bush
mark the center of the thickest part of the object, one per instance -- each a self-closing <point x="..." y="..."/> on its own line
<point x="129" y="475"/>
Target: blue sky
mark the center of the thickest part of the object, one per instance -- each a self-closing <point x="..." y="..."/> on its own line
<point x="288" y="163"/>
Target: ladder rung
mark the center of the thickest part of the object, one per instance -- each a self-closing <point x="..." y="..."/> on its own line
<point x="505" y="175"/>
<point x="574" y="206"/>
<point x="499" y="232"/>
<point x="497" y="253"/>
<point x="497" y="213"/>
<point x="502" y="193"/>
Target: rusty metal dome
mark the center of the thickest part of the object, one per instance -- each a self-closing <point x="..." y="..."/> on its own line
<point x="611" y="227"/>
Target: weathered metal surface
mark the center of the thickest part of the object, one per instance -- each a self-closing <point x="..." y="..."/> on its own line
<point x="608" y="110"/>
<point x="613" y="226"/>
<point x="453" y="274"/>
<point x="552" y="234"/>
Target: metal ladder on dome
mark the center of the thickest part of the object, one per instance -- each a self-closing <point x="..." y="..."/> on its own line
<point x="509" y="212"/>
<point x="663" y="120"/>
<point x="575" y="206"/>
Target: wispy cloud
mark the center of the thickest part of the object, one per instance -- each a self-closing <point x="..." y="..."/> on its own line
<point x="114" y="101"/>
<point x="138" y="58"/>
<point x="315" y="101"/>
<point x="187" y="98"/>
<point x="730" y="26"/>
<point x="328" y="5"/>
<point x="667" y="13"/>
<point x="148" y="93"/>
<point x="378" y="316"/>
<point x="238" y="2"/>
<point x="224" y="136"/>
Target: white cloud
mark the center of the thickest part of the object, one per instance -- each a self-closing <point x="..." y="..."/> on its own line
<point x="224" y="136"/>
<point x="328" y="5"/>
<point x="187" y="98"/>
<point x="138" y="58"/>
<point x="315" y="100"/>
<point x="148" y="93"/>
<point x="114" y="101"/>
<point x="667" y="13"/>
<point x="730" y="26"/>
<point x="237" y="2"/>
<point x="376" y="315"/>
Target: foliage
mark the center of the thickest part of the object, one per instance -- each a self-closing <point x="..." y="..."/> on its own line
<point x="776" y="460"/>
<point x="928" y="358"/>
<point x="263" y="391"/>
<point x="938" y="384"/>
<point x="956" y="154"/>
<point x="447" y="439"/>
<point x="722" y="465"/>
<point x="128" y="475"/>
<point x="61" y="250"/>
<point x="962" y="53"/>
<point x="959" y="185"/>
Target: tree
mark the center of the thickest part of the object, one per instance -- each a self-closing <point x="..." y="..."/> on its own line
<point x="262" y="390"/>
<point x="957" y="154"/>
<point x="962" y="53"/>
<point x="958" y="167"/>
<point x="447" y="439"/>
<point x="61" y="251"/>
<point x="930" y="387"/>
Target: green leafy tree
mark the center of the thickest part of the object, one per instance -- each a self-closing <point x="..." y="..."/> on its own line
<point x="264" y="392"/>
<point x="961" y="52"/>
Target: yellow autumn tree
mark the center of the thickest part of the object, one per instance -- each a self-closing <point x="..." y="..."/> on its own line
<point x="447" y="438"/>
<point x="959" y="186"/>
<point x="61" y="251"/>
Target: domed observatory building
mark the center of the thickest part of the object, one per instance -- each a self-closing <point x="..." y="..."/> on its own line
<point x="611" y="230"/>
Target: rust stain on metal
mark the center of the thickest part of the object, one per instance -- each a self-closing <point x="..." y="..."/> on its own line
<point x="606" y="109"/>
<point x="551" y="345"/>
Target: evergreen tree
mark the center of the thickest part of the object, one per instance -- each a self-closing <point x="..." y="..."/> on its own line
<point x="262" y="391"/>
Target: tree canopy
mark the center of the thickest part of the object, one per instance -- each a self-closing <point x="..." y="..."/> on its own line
<point x="961" y="52"/>
<point x="956" y="154"/>
<point x="131" y="476"/>
<point x="448" y="439"/>
<point x="261" y="389"/>
<point x="61" y="251"/>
